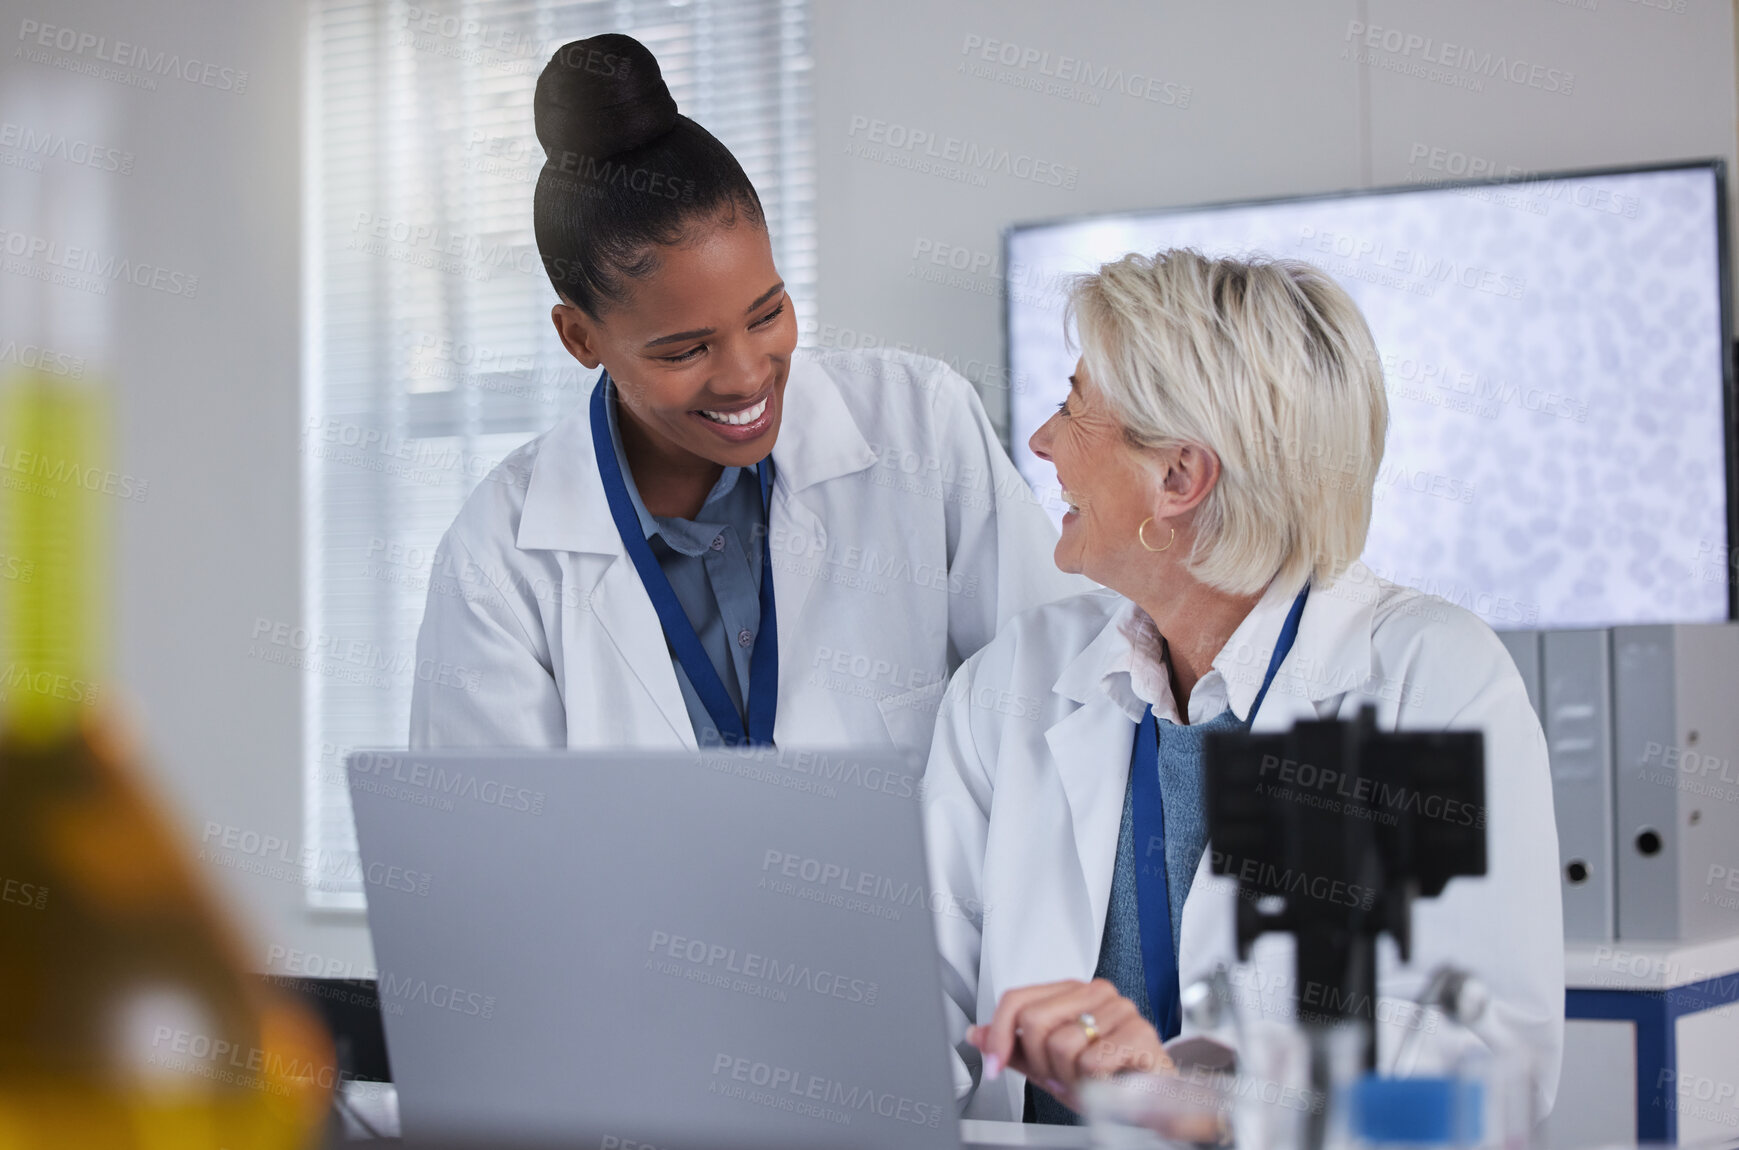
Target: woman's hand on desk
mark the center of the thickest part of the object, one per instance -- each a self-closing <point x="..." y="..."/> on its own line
<point x="1040" y="1031"/>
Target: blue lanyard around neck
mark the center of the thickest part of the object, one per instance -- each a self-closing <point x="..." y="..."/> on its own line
<point x="678" y="630"/>
<point x="1152" y="891"/>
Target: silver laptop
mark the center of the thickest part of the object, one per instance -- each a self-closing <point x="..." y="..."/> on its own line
<point x="725" y="948"/>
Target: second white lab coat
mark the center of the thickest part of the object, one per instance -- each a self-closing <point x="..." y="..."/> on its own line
<point x="1025" y="787"/>
<point x="902" y="538"/>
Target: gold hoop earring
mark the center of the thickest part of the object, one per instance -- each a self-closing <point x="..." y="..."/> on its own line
<point x="1141" y="534"/>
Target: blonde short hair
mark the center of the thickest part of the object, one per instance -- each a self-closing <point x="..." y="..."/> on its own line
<point x="1269" y="365"/>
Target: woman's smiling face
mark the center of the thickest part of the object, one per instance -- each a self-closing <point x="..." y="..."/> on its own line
<point x="701" y="348"/>
<point x="1107" y="482"/>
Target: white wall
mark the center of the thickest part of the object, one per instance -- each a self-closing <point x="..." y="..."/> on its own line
<point x="210" y="386"/>
<point x="1275" y="108"/>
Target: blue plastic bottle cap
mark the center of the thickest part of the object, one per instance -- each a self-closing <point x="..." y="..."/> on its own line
<point x="1421" y="1111"/>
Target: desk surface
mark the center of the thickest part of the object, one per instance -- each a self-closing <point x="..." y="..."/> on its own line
<point x="376" y="1104"/>
<point x="976" y="1133"/>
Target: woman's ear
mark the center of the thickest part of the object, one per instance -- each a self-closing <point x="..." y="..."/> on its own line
<point x="1190" y="474"/>
<point x="577" y="331"/>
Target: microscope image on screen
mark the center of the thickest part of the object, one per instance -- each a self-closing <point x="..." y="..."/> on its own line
<point x="1554" y="355"/>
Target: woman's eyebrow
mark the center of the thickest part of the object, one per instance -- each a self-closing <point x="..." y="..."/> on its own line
<point x="679" y="337"/>
<point x="766" y="295"/>
<point x="700" y="332"/>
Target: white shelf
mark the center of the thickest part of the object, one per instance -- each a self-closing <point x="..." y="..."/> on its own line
<point x="1622" y="965"/>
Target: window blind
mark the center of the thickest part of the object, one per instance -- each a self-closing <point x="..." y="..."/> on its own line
<point x="429" y="352"/>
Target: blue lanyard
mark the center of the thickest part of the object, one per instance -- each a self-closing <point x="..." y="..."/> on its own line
<point x="678" y="631"/>
<point x="1152" y="892"/>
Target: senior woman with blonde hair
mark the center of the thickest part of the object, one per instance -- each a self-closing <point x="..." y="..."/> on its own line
<point x="1218" y="451"/>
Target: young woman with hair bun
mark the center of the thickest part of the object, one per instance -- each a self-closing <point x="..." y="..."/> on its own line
<point x="734" y="540"/>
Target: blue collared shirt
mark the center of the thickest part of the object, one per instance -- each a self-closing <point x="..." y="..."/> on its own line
<point x="713" y="562"/>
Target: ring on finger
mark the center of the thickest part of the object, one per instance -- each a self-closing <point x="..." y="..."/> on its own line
<point x="1089" y="1025"/>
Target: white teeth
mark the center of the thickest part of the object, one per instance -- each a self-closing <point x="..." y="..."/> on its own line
<point x="737" y="418"/>
<point x="1069" y="501"/>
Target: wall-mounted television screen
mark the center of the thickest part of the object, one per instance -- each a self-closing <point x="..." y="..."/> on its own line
<point x="1554" y="351"/>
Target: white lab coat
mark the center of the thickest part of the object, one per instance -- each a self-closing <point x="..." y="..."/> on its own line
<point x="902" y="538"/>
<point x="1024" y="796"/>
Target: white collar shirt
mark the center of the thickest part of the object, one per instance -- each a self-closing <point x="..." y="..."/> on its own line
<point x="1137" y="673"/>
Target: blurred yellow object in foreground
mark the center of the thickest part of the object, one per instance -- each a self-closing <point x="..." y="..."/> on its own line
<point x="127" y="1018"/>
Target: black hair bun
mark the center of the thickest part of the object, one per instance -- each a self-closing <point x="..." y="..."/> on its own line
<point x="600" y="96"/>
